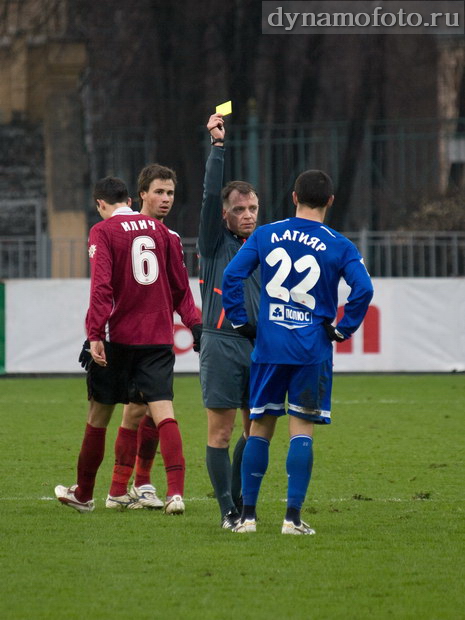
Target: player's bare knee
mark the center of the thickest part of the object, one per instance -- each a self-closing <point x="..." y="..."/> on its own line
<point x="132" y="415"/>
<point x="161" y="410"/>
<point x="99" y="415"/>
<point x="220" y="427"/>
<point x="220" y="436"/>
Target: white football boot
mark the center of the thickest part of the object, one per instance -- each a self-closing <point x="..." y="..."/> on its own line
<point x="289" y="527"/>
<point x="174" y="505"/>
<point x="122" y="502"/>
<point x="146" y="495"/>
<point x="66" y="496"/>
<point x="245" y="527"/>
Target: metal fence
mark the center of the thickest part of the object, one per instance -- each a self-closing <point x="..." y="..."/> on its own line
<point x="18" y="258"/>
<point x="388" y="254"/>
<point x="390" y="162"/>
<point x="392" y="254"/>
<point x="123" y="152"/>
<point x="395" y="160"/>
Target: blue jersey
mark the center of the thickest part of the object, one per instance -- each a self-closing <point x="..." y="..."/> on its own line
<point x="301" y="263"/>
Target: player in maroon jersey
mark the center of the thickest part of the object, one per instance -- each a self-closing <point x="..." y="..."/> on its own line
<point x="137" y="278"/>
<point x="137" y="439"/>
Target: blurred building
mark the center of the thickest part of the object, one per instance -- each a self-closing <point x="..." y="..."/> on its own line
<point x="94" y="88"/>
<point x="43" y="162"/>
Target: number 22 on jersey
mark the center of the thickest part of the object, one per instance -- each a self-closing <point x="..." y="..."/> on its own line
<point x="300" y="292"/>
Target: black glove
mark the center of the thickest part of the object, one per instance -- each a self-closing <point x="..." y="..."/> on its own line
<point x="85" y="358"/>
<point x="248" y="331"/>
<point x="333" y="334"/>
<point x="196" y="334"/>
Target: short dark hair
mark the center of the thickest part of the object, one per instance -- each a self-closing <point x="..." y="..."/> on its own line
<point x="152" y="172"/>
<point x="111" y="189"/>
<point x="314" y="188"/>
<point x="241" y="186"/>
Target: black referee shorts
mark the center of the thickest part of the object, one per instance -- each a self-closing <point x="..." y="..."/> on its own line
<point x="132" y="374"/>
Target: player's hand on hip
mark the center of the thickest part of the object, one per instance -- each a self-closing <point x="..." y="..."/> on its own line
<point x="247" y="331"/>
<point x="333" y="333"/>
<point x="97" y="350"/>
<point x="215" y="126"/>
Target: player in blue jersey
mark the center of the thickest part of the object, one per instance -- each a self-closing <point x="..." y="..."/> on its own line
<point x="301" y="261"/>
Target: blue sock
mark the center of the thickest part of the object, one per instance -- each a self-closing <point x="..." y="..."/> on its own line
<point x="254" y="466"/>
<point x="299" y="469"/>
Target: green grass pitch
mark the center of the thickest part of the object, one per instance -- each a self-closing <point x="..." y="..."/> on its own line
<point x="386" y="500"/>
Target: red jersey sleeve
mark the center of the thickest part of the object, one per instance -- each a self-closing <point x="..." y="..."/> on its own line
<point x="183" y="301"/>
<point x="101" y="292"/>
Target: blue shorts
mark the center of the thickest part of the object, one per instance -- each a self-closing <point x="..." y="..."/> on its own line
<point x="308" y="389"/>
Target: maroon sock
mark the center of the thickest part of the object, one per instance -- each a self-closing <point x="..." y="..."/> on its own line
<point x="90" y="458"/>
<point x="171" y="451"/>
<point x="125" y="457"/>
<point x="147" y="443"/>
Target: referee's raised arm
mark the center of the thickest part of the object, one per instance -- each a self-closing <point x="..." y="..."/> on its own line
<point x="211" y="214"/>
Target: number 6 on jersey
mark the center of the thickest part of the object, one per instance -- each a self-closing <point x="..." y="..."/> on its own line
<point x="144" y="261"/>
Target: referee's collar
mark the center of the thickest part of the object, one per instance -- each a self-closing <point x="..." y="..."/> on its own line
<point x="243" y="239"/>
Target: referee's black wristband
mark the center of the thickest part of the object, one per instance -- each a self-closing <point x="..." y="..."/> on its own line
<point x="214" y="141"/>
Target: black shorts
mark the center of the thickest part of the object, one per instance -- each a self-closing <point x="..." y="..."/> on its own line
<point x="132" y="375"/>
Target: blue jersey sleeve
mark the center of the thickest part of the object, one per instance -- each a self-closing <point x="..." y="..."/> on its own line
<point x="355" y="274"/>
<point x="238" y="270"/>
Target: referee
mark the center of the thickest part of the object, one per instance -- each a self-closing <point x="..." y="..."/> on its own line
<point x="228" y="217"/>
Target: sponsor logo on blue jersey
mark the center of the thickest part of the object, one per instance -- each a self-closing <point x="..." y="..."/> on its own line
<point x="290" y="316"/>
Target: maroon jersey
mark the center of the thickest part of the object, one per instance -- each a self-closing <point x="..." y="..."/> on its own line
<point x="138" y="278"/>
<point x="185" y="306"/>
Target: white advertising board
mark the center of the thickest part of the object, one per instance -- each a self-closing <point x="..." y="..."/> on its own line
<point x="413" y="325"/>
<point x="44" y="328"/>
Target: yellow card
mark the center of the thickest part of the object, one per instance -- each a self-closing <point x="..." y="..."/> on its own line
<point x="224" y="108"/>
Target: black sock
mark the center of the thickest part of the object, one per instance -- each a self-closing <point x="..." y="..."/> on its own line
<point x="293" y="514"/>
<point x="236" y="486"/>
<point x="219" y="470"/>
<point x="248" y="512"/>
